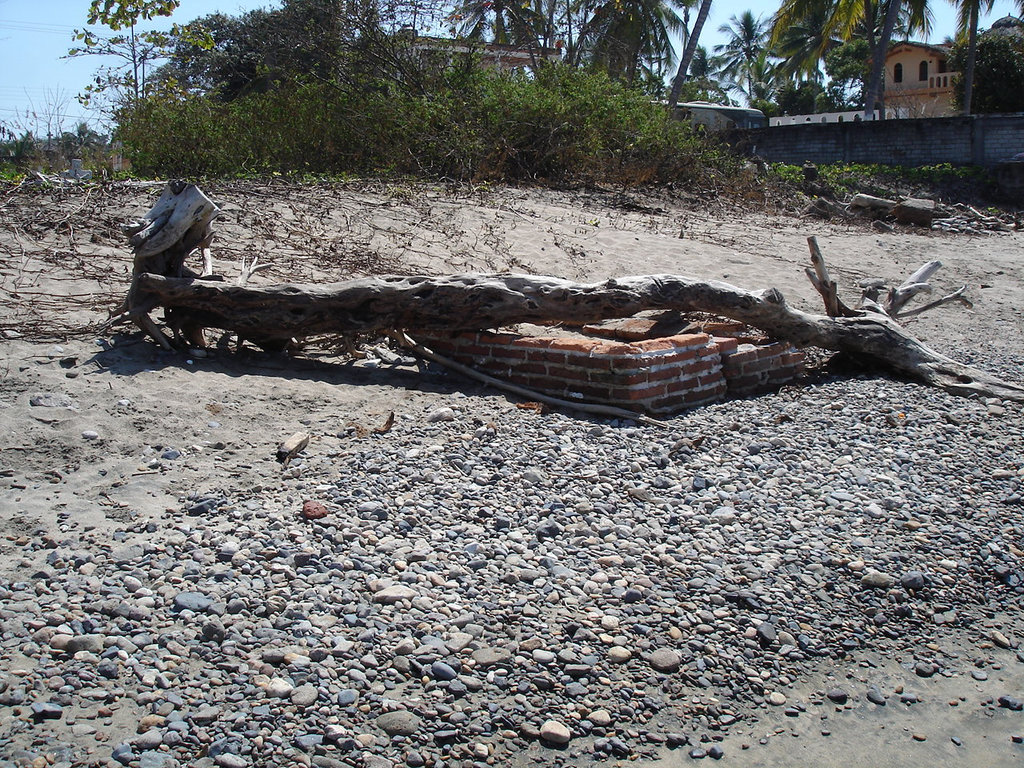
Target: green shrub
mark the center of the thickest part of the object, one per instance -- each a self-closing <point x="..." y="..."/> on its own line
<point x="559" y="126"/>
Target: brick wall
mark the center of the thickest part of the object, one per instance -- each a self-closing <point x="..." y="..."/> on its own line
<point x="981" y="140"/>
<point x="655" y="375"/>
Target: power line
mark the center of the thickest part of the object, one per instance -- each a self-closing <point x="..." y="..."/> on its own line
<point x="30" y="26"/>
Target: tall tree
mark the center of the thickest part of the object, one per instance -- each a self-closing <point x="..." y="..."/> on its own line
<point x="872" y="21"/>
<point x="687" y="57"/>
<point x="999" y="72"/>
<point x="967" y="22"/>
<point x="802" y="43"/>
<point x="629" y="36"/>
<point x="747" y="37"/>
<point x="138" y="49"/>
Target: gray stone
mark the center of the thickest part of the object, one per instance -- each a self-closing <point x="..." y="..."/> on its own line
<point x="665" y="660"/>
<point x="304" y="695"/>
<point x="50" y="400"/>
<point x="192" y="601"/>
<point x="393" y="594"/>
<point x="876" y="580"/>
<point x="400" y="722"/>
<point x="485" y="658"/>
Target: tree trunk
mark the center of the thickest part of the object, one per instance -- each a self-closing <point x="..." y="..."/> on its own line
<point x="874" y="91"/>
<point x="972" y="52"/>
<point x="475" y="301"/>
<point x="691" y="46"/>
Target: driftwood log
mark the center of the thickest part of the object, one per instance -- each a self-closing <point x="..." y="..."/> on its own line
<point x="180" y="223"/>
<point x="273" y="315"/>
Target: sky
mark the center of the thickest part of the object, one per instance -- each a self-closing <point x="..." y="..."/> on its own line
<point x="35" y="35"/>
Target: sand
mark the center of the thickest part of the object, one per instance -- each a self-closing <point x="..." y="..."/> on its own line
<point x="63" y="263"/>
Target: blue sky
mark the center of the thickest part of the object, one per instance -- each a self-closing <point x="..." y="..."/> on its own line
<point x="36" y="34"/>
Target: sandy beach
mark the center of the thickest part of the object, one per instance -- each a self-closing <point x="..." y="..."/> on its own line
<point x="521" y="547"/>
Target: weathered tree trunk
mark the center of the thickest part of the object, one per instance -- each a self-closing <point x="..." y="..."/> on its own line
<point x="475" y="301"/>
<point x="179" y="223"/>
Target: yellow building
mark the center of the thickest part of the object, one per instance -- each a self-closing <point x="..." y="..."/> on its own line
<point x="918" y="82"/>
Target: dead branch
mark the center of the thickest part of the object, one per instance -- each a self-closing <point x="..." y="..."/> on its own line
<point x="476" y="301"/>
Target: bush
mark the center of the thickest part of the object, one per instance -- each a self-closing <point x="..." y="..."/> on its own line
<point x="998" y="74"/>
<point x="561" y="125"/>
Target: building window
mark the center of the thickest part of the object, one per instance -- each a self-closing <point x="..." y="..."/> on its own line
<point x="922" y="72"/>
<point x="897" y="73"/>
<point x="942" y="66"/>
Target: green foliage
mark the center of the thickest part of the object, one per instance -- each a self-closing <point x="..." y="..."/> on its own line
<point x="136" y="49"/>
<point x="998" y="73"/>
<point x="121" y="14"/>
<point x="849" y="178"/>
<point x="848" y="67"/>
<point x="561" y="125"/>
<point x="798" y="98"/>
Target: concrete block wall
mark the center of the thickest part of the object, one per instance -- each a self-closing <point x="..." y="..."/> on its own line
<point x="982" y="140"/>
<point x="657" y="376"/>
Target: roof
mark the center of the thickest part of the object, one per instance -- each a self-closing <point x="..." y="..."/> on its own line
<point x="938" y="50"/>
<point x="1008" y="25"/>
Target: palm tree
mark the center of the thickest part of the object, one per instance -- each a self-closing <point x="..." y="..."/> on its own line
<point x="701" y="67"/>
<point x="629" y="36"/>
<point x="967" y="21"/>
<point x="483" y="19"/>
<point x="688" y="51"/>
<point x="746" y="43"/>
<point x="802" y="43"/>
<point x="846" y="19"/>
<point x="762" y="80"/>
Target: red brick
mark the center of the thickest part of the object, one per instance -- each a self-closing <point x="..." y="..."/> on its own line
<point x="583" y="346"/>
<point x="587" y="361"/>
<point x="759" y="366"/>
<point x="530" y="367"/>
<point x="667" y="373"/>
<point x="550" y="356"/>
<point x="725" y="345"/>
<point x="672" y="357"/>
<point x="610" y="349"/>
<point x="655" y="345"/>
<point x="711" y="380"/>
<point x="487" y="337"/>
<point x="509" y="353"/>
<point x="702" y="366"/>
<point x="638" y="393"/>
<point x="690" y="339"/>
<point x="534" y="342"/>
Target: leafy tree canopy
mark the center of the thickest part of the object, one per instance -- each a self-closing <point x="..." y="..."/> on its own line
<point x="998" y="73"/>
<point x="848" y="67"/>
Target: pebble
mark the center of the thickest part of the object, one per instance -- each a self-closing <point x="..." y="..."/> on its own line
<point x="467" y="594"/>
<point x="837" y="695"/>
<point x="555" y="732"/>
<point x="665" y="660"/>
<point x="620" y="655"/>
<point x="304" y="695"/>
<point x="394" y="594"/>
<point x="876" y="580"/>
<point x="192" y="601"/>
<point x="399" y="723"/>
<point x="279" y="688"/>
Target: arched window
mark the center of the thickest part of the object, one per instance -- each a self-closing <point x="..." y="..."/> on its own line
<point x="922" y="72"/>
<point x="897" y="73"/>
